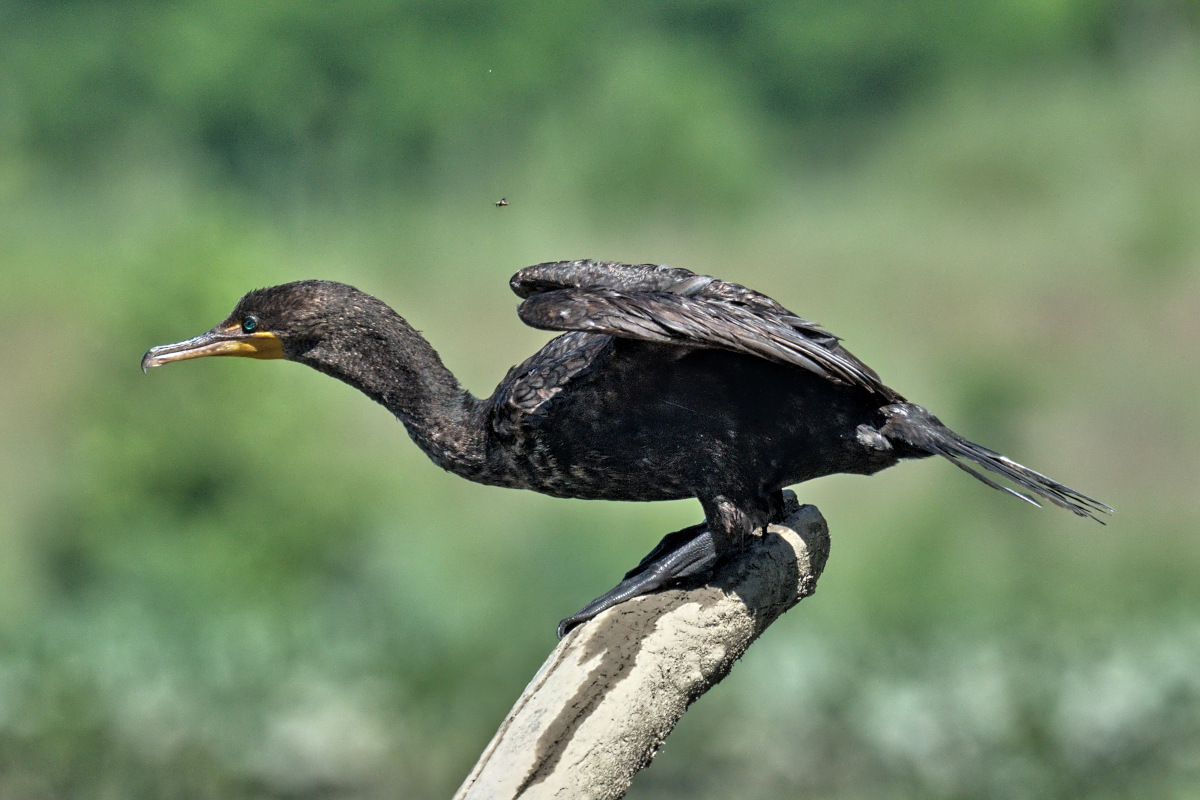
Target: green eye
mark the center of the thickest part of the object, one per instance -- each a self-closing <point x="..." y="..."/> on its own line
<point x="249" y="324"/>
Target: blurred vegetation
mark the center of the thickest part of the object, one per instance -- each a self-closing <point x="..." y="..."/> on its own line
<point x="235" y="579"/>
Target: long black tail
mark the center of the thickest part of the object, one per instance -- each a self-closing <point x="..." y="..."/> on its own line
<point x="915" y="426"/>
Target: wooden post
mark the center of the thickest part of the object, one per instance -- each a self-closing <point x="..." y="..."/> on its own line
<point x="606" y="698"/>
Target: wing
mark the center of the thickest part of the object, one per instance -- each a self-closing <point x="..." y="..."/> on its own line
<point x="676" y="306"/>
<point x="531" y="384"/>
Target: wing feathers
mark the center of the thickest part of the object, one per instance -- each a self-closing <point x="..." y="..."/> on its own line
<point x="674" y="306"/>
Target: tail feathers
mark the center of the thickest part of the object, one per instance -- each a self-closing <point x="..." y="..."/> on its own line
<point x="915" y="426"/>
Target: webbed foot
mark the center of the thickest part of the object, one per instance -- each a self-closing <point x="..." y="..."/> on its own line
<point x="683" y="554"/>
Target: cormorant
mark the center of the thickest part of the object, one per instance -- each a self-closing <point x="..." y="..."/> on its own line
<point x="667" y="385"/>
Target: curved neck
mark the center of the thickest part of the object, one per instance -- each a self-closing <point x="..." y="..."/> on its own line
<point x="382" y="356"/>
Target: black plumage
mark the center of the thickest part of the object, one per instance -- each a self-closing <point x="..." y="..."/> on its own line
<point x="666" y="385"/>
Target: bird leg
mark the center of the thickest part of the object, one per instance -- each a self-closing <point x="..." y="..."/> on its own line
<point x="687" y="553"/>
<point x="683" y="554"/>
<point x="671" y="541"/>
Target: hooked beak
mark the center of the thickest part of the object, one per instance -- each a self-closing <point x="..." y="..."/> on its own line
<point x="217" y="342"/>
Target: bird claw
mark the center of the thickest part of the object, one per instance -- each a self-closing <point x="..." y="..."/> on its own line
<point x="688" y="553"/>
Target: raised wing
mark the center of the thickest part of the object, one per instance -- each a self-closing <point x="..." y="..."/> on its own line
<point x="529" y="385"/>
<point x="676" y="306"/>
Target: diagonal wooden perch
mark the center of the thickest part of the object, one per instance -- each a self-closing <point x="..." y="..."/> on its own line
<point x="606" y="698"/>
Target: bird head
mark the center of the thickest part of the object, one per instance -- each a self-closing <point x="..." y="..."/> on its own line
<point x="276" y="322"/>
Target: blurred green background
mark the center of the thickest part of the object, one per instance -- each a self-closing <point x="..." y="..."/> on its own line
<point x="238" y="579"/>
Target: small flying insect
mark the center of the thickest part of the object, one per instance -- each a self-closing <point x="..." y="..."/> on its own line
<point x="501" y="202"/>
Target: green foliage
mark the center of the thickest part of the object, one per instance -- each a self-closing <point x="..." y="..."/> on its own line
<point x="322" y="98"/>
<point x="239" y="579"/>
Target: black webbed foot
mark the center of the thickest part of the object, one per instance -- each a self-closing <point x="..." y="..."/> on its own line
<point x="682" y="554"/>
<point x="672" y="541"/>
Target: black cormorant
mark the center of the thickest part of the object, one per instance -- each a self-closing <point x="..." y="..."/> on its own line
<point x="668" y="384"/>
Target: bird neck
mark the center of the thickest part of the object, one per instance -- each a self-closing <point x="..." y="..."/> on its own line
<point x="386" y="359"/>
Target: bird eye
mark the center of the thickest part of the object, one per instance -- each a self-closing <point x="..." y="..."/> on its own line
<point x="249" y="324"/>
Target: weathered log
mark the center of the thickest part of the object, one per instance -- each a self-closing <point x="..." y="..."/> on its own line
<point x="614" y="688"/>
